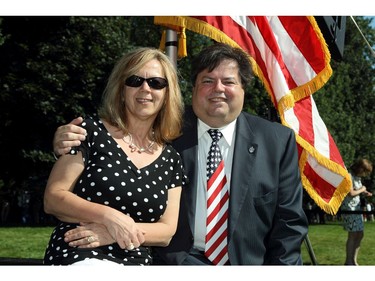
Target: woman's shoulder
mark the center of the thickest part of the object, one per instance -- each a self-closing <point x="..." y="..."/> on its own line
<point x="93" y="126"/>
<point x="92" y="123"/>
<point x="172" y="151"/>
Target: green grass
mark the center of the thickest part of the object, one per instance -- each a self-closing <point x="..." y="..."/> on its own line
<point x="24" y="242"/>
<point x="327" y="241"/>
<point x="328" y="244"/>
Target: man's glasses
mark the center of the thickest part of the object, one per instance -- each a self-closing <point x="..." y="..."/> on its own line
<point x="156" y="83"/>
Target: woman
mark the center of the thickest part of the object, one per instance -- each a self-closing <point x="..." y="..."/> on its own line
<point x="125" y="177"/>
<point x="353" y="223"/>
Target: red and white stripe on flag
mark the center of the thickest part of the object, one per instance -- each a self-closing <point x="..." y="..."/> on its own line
<point x="290" y="56"/>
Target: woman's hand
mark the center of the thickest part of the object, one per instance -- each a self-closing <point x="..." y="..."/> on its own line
<point x="123" y="229"/>
<point x="92" y="235"/>
<point x="365" y="192"/>
<point x="88" y="235"/>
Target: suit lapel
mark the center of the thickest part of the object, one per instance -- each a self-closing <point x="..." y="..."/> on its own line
<point x="245" y="151"/>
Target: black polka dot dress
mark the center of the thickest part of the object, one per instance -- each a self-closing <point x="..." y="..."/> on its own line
<point x="110" y="178"/>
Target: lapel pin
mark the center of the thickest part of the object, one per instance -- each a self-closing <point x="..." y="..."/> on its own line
<point x="252" y="149"/>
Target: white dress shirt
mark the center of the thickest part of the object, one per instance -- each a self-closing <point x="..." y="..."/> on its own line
<point x="226" y="148"/>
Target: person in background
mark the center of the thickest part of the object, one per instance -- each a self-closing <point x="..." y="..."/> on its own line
<point x="125" y="176"/>
<point x="353" y="223"/>
<point x="259" y="211"/>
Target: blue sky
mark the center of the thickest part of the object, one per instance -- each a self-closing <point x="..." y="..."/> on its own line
<point x="373" y="21"/>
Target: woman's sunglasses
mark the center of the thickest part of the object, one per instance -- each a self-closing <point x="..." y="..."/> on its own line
<point x="156" y="83"/>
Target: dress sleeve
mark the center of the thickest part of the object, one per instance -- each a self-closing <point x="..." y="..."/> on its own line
<point x="179" y="177"/>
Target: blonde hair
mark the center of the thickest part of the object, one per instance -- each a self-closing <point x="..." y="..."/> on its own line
<point x="362" y="167"/>
<point x="168" y="123"/>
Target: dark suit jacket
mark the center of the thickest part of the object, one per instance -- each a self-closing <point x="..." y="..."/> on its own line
<point x="267" y="224"/>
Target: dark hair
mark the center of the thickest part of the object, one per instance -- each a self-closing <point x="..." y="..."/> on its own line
<point x="210" y="57"/>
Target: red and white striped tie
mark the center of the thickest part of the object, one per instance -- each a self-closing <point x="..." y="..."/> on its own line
<point x="216" y="249"/>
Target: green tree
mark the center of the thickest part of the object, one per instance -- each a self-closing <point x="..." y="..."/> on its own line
<point x="53" y="69"/>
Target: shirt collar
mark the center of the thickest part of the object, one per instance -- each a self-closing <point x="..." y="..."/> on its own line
<point x="227" y="131"/>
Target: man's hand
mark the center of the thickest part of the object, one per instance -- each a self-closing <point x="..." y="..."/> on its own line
<point x="68" y="136"/>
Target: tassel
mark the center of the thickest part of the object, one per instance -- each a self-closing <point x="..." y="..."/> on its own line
<point x="182" y="50"/>
<point x="162" y="41"/>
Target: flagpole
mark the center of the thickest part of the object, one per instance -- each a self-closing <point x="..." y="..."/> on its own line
<point x="171" y="46"/>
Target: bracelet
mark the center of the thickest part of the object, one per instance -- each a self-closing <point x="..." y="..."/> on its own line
<point x="55" y="156"/>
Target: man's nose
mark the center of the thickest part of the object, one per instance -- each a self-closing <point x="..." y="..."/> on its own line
<point x="219" y="86"/>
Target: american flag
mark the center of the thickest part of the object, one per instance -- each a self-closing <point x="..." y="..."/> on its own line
<point x="290" y="56"/>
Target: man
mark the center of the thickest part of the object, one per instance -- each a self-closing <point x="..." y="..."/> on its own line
<point x="264" y="222"/>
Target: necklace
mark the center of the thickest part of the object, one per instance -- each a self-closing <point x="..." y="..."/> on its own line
<point x="134" y="147"/>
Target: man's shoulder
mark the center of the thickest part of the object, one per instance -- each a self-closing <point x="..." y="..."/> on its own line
<point x="261" y="126"/>
<point x="260" y="121"/>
